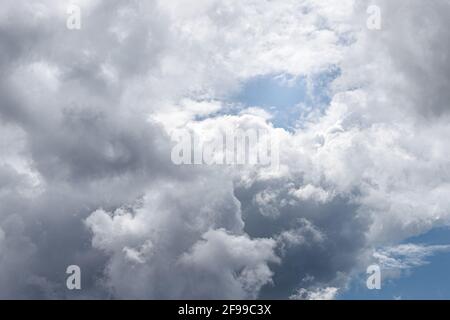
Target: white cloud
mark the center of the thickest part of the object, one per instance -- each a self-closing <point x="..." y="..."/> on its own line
<point x="311" y="192"/>
<point x="328" y="293"/>
<point x="236" y="263"/>
<point x="407" y="256"/>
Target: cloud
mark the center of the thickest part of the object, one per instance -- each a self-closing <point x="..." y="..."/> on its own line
<point x="153" y="244"/>
<point x="407" y="256"/>
<point x="238" y="264"/>
<point x="320" y="294"/>
<point x="178" y="248"/>
<point x="85" y="170"/>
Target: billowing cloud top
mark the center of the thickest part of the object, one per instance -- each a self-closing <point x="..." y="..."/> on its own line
<point x="86" y="117"/>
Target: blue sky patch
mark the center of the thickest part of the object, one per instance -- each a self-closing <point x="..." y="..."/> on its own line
<point x="287" y="99"/>
<point x="430" y="281"/>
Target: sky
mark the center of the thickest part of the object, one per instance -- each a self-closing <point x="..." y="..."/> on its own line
<point x="427" y="281"/>
<point x="87" y="123"/>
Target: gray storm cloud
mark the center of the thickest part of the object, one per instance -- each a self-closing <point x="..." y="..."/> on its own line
<point x="85" y="171"/>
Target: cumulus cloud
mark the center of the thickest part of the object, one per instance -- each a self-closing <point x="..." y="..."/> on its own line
<point x="86" y="118"/>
